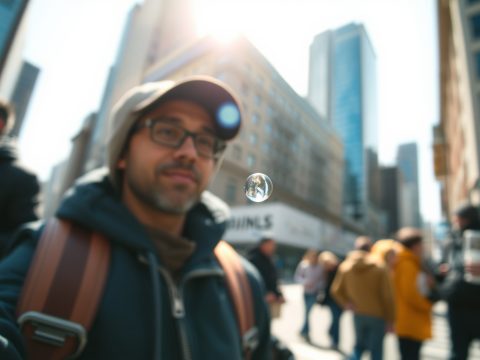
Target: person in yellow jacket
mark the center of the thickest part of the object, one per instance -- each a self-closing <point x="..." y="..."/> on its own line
<point x="413" y="320"/>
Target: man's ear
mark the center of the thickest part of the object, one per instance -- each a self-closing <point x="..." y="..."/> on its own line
<point x="122" y="163"/>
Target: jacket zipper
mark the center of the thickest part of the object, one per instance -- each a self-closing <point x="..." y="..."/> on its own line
<point x="178" y="307"/>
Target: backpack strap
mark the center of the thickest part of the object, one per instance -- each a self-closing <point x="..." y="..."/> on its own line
<point x="240" y="293"/>
<point x="62" y="290"/>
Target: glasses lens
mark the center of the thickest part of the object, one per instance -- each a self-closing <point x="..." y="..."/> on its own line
<point x="164" y="133"/>
<point x="205" y="144"/>
<point x="167" y="134"/>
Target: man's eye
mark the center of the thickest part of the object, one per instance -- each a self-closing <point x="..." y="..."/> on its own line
<point x="206" y="141"/>
<point x="166" y="132"/>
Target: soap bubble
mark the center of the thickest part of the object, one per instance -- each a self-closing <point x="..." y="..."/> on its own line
<point x="258" y="187"/>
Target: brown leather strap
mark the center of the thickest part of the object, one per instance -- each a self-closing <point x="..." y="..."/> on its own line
<point x="65" y="281"/>
<point x="239" y="287"/>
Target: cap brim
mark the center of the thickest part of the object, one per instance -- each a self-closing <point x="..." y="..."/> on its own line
<point x="219" y="101"/>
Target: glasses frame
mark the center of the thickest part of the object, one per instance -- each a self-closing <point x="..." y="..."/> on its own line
<point x="217" y="150"/>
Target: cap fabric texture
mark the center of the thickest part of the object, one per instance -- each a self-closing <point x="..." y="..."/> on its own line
<point x="214" y="96"/>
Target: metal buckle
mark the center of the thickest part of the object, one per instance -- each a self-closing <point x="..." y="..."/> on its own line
<point x="54" y="330"/>
<point x="250" y="339"/>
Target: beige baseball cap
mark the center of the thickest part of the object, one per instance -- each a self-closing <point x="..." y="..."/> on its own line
<point x="215" y="96"/>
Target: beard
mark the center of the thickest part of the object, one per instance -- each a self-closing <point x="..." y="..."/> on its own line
<point x="174" y="199"/>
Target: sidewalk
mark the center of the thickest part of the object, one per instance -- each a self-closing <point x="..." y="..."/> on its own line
<point x="288" y="325"/>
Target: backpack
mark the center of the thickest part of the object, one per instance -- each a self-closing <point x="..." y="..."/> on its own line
<point x="65" y="283"/>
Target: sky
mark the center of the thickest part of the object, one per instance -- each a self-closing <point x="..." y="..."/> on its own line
<point x="74" y="42"/>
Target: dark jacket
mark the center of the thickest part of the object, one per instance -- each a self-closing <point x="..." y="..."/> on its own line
<point x="266" y="268"/>
<point x="18" y="193"/>
<point x="197" y="316"/>
<point x="454" y="289"/>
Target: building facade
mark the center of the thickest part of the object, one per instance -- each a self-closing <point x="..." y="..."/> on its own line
<point x="282" y="136"/>
<point x="456" y="137"/>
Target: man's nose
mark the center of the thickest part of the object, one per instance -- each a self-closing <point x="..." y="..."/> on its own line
<point x="187" y="148"/>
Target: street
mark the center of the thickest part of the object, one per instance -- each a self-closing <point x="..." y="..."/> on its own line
<point x="287" y="327"/>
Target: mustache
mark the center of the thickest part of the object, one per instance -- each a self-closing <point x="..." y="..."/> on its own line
<point x="179" y="166"/>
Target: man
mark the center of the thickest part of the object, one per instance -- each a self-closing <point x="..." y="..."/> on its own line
<point x="166" y="143"/>
<point x="364" y="286"/>
<point x="19" y="187"/>
<point x="261" y="256"/>
<point x="462" y="296"/>
<point x="413" y="322"/>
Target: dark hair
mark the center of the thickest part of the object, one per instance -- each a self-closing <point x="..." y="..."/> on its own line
<point x="7" y="115"/>
<point x="409" y="236"/>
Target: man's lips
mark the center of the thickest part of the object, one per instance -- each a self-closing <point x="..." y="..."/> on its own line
<point x="183" y="176"/>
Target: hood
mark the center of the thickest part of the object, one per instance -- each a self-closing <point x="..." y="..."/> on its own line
<point x="404" y="254"/>
<point x="94" y="203"/>
<point x="8" y="148"/>
<point x="359" y="261"/>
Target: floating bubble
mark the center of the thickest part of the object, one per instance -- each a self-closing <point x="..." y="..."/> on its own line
<point x="258" y="187"/>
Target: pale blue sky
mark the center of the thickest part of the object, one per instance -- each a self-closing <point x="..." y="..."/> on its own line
<point x="74" y="42"/>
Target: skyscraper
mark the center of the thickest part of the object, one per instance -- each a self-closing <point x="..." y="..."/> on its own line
<point x="342" y="88"/>
<point x="407" y="162"/>
<point x="22" y="93"/>
<point x="12" y="35"/>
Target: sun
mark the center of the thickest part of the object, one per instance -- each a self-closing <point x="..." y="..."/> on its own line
<point x="221" y="19"/>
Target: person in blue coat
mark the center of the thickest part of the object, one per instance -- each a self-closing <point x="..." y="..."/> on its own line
<point x="165" y="295"/>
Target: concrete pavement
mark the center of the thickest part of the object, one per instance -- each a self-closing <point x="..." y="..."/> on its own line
<point x="287" y="327"/>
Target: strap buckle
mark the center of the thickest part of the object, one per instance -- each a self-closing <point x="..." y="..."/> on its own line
<point x="250" y="339"/>
<point x="54" y="331"/>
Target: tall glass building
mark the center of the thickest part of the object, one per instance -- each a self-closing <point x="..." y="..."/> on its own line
<point x="10" y="14"/>
<point x="342" y="87"/>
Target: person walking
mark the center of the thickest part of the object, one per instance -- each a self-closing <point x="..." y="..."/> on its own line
<point x="309" y="273"/>
<point x="261" y="256"/>
<point x="413" y="321"/>
<point x="19" y="187"/>
<point x="165" y="295"/>
<point x="457" y="289"/>
<point x="364" y="286"/>
<point x="330" y="263"/>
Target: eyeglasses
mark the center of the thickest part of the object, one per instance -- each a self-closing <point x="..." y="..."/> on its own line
<point x="172" y="135"/>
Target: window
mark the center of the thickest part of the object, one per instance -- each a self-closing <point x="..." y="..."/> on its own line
<point x="251" y="160"/>
<point x="475" y="22"/>
<point x="257" y="100"/>
<point x="477" y="63"/>
<point x="255" y="118"/>
<point x="237" y="152"/>
<point x="231" y="193"/>
<point x="268" y="128"/>
<point x="253" y="139"/>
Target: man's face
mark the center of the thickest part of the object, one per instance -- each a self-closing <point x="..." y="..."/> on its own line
<point x="164" y="178"/>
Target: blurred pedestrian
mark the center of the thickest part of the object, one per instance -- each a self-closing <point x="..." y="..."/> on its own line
<point x="365" y="287"/>
<point x="330" y="263"/>
<point x="461" y="293"/>
<point x="19" y="187"/>
<point x="309" y="273"/>
<point x="386" y="250"/>
<point x="413" y="321"/>
<point x="261" y="256"/>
